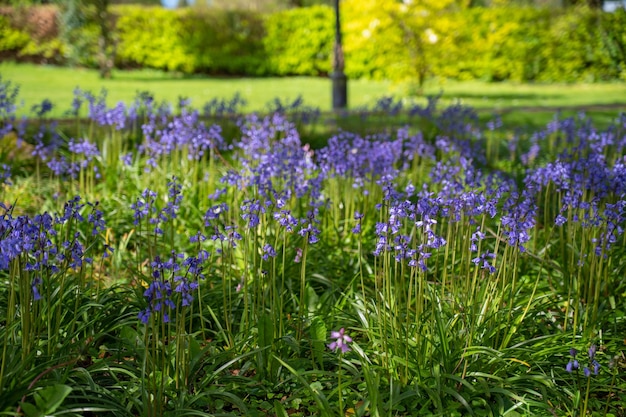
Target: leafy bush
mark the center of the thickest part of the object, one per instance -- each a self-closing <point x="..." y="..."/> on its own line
<point x="52" y="51"/>
<point x="19" y="44"/>
<point x="300" y="41"/>
<point x="224" y="42"/>
<point x="11" y="39"/>
<point x="210" y="41"/>
<point x="491" y="44"/>
<point x="496" y="43"/>
<point x="582" y="46"/>
<point x="613" y="38"/>
<point x="150" y="37"/>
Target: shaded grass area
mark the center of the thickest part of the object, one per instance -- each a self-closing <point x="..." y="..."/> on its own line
<point x="504" y="95"/>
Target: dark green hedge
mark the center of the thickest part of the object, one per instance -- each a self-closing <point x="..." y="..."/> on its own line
<point x="521" y="44"/>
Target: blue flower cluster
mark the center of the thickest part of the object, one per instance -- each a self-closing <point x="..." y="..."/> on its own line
<point x="38" y="246"/>
<point x="592" y="368"/>
<point x="178" y="275"/>
<point x="427" y="180"/>
<point x="172" y="280"/>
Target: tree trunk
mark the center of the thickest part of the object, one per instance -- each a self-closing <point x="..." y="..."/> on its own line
<point x="105" y="41"/>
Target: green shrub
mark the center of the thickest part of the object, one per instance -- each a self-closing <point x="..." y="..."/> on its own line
<point x="300" y="41"/>
<point x="576" y="50"/>
<point x="151" y="37"/>
<point x="613" y="38"/>
<point x="11" y="39"/>
<point x="18" y="44"/>
<point x="209" y="41"/>
<point x="51" y="52"/>
<point x="492" y="44"/>
<point x="224" y="42"/>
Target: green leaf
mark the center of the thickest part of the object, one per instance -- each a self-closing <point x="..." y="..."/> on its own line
<point x="47" y="400"/>
<point x="266" y="331"/>
<point x="280" y="409"/>
<point x="266" y="339"/>
<point x="31" y="410"/>
<point x="311" y="300"/>
<point x="318" y="337"/>
<point x="315" y="388"/>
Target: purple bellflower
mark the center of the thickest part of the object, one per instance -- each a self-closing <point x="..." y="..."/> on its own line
<point x="340" y="341"/>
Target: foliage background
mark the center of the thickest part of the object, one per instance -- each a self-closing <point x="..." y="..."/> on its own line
<point x="383" y="39"/>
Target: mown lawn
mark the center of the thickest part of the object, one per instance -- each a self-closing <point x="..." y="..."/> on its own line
<point x="40" y="82"/>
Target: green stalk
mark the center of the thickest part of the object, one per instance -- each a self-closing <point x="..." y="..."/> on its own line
<point x="281" y="325"/>
<point x="511" y="294"/>
<point x="11" y="311"/>
<point x="340" y="393"/>
<point x="302" y="288"/>
<point x="586" y="402"/>
<point x="360" y="259"/>
<point x="146" y="368"/>
<point x="275" y="297"/>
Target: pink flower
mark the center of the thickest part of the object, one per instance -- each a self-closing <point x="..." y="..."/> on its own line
<point x="341" y="341"/>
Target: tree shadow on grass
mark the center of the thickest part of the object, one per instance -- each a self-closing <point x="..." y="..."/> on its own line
<point x="500" y="96"/>
<point x="176" y="77"/>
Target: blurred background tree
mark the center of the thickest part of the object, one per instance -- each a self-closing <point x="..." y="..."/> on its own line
<point x="80" y="23"/>
<point x="261" y="5"/>
<point x="272" y="5"/>
<point x="596" y="4"/>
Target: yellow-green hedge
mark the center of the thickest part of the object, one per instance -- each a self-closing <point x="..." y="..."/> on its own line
<point x="300" y="41"/>
<point x="223" y="42"/>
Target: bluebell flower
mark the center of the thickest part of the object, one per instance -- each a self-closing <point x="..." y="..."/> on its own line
<point x="175" y="198"/>
<point x="232" y="235"/>
<point x="198" y="237"/>
<point x="593" y="367"/>
<point x="268" y="251"/>
<point x="43" y="108"/>
<point x="592" y="351"/>
<point x="220" y="107"/>
<point x="96" y="218"/>
<point x="286" y="220"/>
<point x="72" y="210"/>
<point x="35" y="283"/>
<point x="298" y="256"/>
<point x="572" y="365"/>
<point x="144" y="206"/>
<point x="127" y="159"/>
<point x="483" y="261"/>
<point x="77" y="101"/>
<point x="596" y="367"/>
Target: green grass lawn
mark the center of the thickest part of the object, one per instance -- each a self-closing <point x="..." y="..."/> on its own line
<point x="57" y="84"/>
